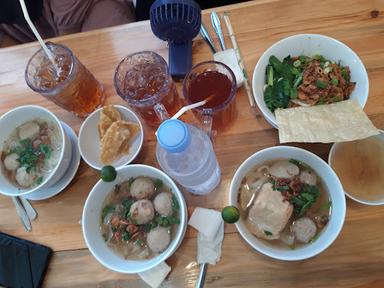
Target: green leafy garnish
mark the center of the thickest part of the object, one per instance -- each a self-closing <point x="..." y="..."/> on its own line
<point x="28" y="157"/>
<point x="334" y="81"/>
<point x="268" y="233"/>
<point x="326" y="205"/>
<point x="46" y="150"/>
<point x="299" y="163"/>
<point x="105" y="237"/>
<point x="175" y="204"/>
<point x="149" y="226"/>
<point x="139" y="242"/>
<point x="305" y="199"/>
<point x="130" y="181"/>
<point x="320" y="84"/>
<point x="106" y="210"/>
<point x="166" y="221"/>
<point x="158" y="183"/>
<point x="39" y="180"/>
<point x="127" y="203"/>
<point x="126" y="236"/>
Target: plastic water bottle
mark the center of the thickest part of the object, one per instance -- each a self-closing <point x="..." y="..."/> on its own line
<point x="186" y="154"/>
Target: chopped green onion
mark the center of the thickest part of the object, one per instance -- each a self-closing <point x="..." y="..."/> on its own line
<point x="298" y="80"/>
<point x="320" y="84"/>
<point x="297" y="63"/>
<point x="334" y="81"/>
<point x="327" y="70"/>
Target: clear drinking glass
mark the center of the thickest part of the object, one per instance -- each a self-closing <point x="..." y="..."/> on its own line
<point x="70" y="85"/>
<point x="216" y="81"/>
<point x="143" y="80"/>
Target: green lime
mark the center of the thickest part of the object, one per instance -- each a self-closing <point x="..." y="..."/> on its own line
<point x="230" y="214"/>
<point x="108" y="173"/>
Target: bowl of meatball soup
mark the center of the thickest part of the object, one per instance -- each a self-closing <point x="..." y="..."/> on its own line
<point x="135" y="222"/>
<point x="35" y="151"/>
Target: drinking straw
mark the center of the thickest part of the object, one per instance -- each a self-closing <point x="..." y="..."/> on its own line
<point x="189" y="107"/>
<point x="248" y="89"/>
<point x="37" y="35"/>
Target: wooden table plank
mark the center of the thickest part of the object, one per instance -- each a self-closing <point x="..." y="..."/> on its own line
<point x="354" y="260"/>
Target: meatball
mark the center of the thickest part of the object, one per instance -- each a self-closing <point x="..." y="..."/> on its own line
<point x="23" y="178"/>
<point x="29" y="130"/>
<point x="163" y="204"/>
<point x="304" y="229"/>
<point x="158" y="239"/>
<point x="142" y="211"/>
<point x="308" y="177"/>
<point x="11" y="162"/>
<point x="142" y="188"/>
<point x="284" y="169"/>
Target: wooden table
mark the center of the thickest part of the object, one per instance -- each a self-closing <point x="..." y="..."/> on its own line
<point x="356" y="259"/>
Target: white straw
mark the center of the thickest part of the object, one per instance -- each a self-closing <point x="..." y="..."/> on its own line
<point x="188" y="107"/>
<point x="34" y="30"/>
<point x="239" y="59"/>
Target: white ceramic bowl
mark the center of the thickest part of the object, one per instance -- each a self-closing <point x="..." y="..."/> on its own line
<point x="332" y="183"/>
<point x="332" y="154"/>
<point x="309" y="45"/>
<point x="18" y="116"/>
<point x="89" y="142"/>
<point x="92" y="214"/>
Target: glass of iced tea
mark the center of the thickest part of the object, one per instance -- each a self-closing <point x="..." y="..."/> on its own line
<point x="143" y="80"/>
<point x="69" y="84"/>
<point x="216" y="82"/>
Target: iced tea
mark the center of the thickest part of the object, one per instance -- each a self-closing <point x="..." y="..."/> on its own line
<point x="69" y="84"/>
<point x="142" y="79"/>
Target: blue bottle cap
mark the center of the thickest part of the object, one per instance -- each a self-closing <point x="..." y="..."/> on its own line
<point x="173" y="135"/>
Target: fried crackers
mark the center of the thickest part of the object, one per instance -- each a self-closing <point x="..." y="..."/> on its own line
<point x="115" y="134"/>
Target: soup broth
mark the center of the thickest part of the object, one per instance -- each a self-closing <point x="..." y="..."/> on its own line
<point x="284" y="203"/>
<point x="30" y="153"/>
<point x="139" y="218"/>
<point x="360" y="166"/>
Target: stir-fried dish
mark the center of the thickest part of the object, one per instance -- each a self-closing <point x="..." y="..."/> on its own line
<point x="139" y="218"/>
<point x="284" y="202"/>
<point x="30" y="153"/>
<point x="306" y="81"/>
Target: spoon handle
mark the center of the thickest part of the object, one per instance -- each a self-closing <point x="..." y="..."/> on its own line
<point x="22" y="214"/>
<point x="205" y="34"/>
<point x="217" y="27"/>
<point x="201" y="278"/>
<point x="31" y="212"/>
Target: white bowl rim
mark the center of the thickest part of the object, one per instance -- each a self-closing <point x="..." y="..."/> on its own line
<point x="63" y="144"/>
<point x="330" y="156"/>
<point x="176" y="242"/>
<point x="272" y="120"/>
<point x="275" y="255"/>
<point x="134" y="155"/>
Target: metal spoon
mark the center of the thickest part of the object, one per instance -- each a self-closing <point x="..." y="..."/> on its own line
<point x="201" y="277"/>
<point x="217" y="27"/>
<point x="20" y="210"/>
<point x="205" y="34"/>
<point x="31" y="212"/>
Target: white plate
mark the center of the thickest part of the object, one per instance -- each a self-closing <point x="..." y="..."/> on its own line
<point x="89" y="142"/>
<point x="45" y="193"/>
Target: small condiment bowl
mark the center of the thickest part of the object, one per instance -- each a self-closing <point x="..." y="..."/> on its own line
<point x="330" y="181"/>
<point x="89" y="141"/>
<point x="92" y="215"/>
<point x="18" y="116"/>
<point x="362" y="201"/>
<point x="309" y="45"/>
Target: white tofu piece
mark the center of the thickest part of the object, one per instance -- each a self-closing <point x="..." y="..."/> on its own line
<point x="269" y="213"/>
